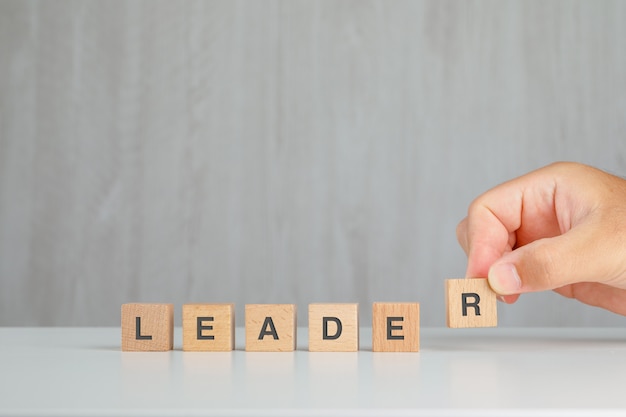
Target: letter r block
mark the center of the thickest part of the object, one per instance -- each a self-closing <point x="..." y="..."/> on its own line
<point x="333" y="327"/>
<point x="395" y="327"/>
<point x="147" y="327"/>
<point x="270" y="327"/>
<point x="470" y="302"/>
<point x="209" y="327"/>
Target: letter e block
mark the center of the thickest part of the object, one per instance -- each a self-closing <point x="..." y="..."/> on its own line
<point x="147" y="327"/>
<point x="333" y="327"/>
<point x="270" y="327"/>
<point x="395" y="327"/>
<point x="470" y="302"/>
<point x="209" y="327"/>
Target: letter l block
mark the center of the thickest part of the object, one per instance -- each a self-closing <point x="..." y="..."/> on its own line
<point x="147" y="327"/>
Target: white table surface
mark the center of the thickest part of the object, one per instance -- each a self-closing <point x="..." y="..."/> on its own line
<point x="469" y="372"/>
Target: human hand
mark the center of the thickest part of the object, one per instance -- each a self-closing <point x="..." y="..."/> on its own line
<point x="561" y="228"/>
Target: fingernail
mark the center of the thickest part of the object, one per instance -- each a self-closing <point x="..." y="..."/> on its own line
<point x="504" y="279"/>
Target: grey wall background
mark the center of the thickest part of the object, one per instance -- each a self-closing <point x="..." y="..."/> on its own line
<point x="284" y="151"/>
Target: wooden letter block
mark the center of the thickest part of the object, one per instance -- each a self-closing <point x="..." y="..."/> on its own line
<point x="470" y="303"/>
<point x="147" y="327"/>
<point x="396" y="327"/>
<point x="333" y="327"/>
<point x="270" y="327"/>
<point x="209" y="327"/>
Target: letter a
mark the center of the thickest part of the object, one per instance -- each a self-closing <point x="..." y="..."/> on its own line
<point x="272" y="330"/>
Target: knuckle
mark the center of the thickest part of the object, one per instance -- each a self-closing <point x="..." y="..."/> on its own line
<point x="566" y="166"/>
<point x="475" y="207"/>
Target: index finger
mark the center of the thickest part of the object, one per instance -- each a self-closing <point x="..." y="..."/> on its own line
<point x="510" y="215"/>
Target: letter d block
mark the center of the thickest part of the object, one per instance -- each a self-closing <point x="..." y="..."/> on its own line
<point x="147" y="327"/>
<point x="270" y="327"/>
<point x="396" y="327"/>
<point x="333" y="327"/>
<point x="470" y="303"/>
<point x="209" y="327"/>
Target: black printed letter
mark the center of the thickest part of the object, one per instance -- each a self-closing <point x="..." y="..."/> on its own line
<point x="138" y="334"/>
<point x="272" y="330"/>
<point x="325" y="335"/>
<point x="201" y="327"/>
<point x="474" y="303"/>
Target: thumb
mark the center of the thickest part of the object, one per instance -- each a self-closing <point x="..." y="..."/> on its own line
<point x="550" y="263"/>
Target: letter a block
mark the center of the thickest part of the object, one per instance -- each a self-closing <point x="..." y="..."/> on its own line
<point x="396" y="327"/>
<point x="208" y="327"/>
<point x="270" y="327"/>
<point x="147" y="327"/>
<point x="470" y="303"/>
<point x="333" y="327"/>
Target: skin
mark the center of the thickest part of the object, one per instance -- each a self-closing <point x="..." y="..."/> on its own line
<point x="561" y="228"/>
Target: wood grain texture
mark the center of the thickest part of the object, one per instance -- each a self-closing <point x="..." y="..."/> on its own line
<point x="396" y="327"/>
<point x="470" y="303"/>
<point x="209" y="327"/>
<point x="271" y="327"/>
<point x="283" y="151"/>
<point x="147" y="327"/>
<point x="334" y="327"/>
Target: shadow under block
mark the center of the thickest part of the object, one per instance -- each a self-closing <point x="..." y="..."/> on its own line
<point x="147" y="327"/>
<point x="209" y="327"/>
<point x="396" y="327"/>
<point x="333" y="327"/>
<point x="470" y="302"/>
<point x="270" y="327"/>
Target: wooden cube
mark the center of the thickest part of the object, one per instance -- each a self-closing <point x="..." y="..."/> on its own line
<point x="270" y="327"/>
<point x="396" y="327"/>
<point x="470" y="303"/>
<point x="333" y="327"/>
<point x="209" y="327"/>
<point x="147" y="327"/>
